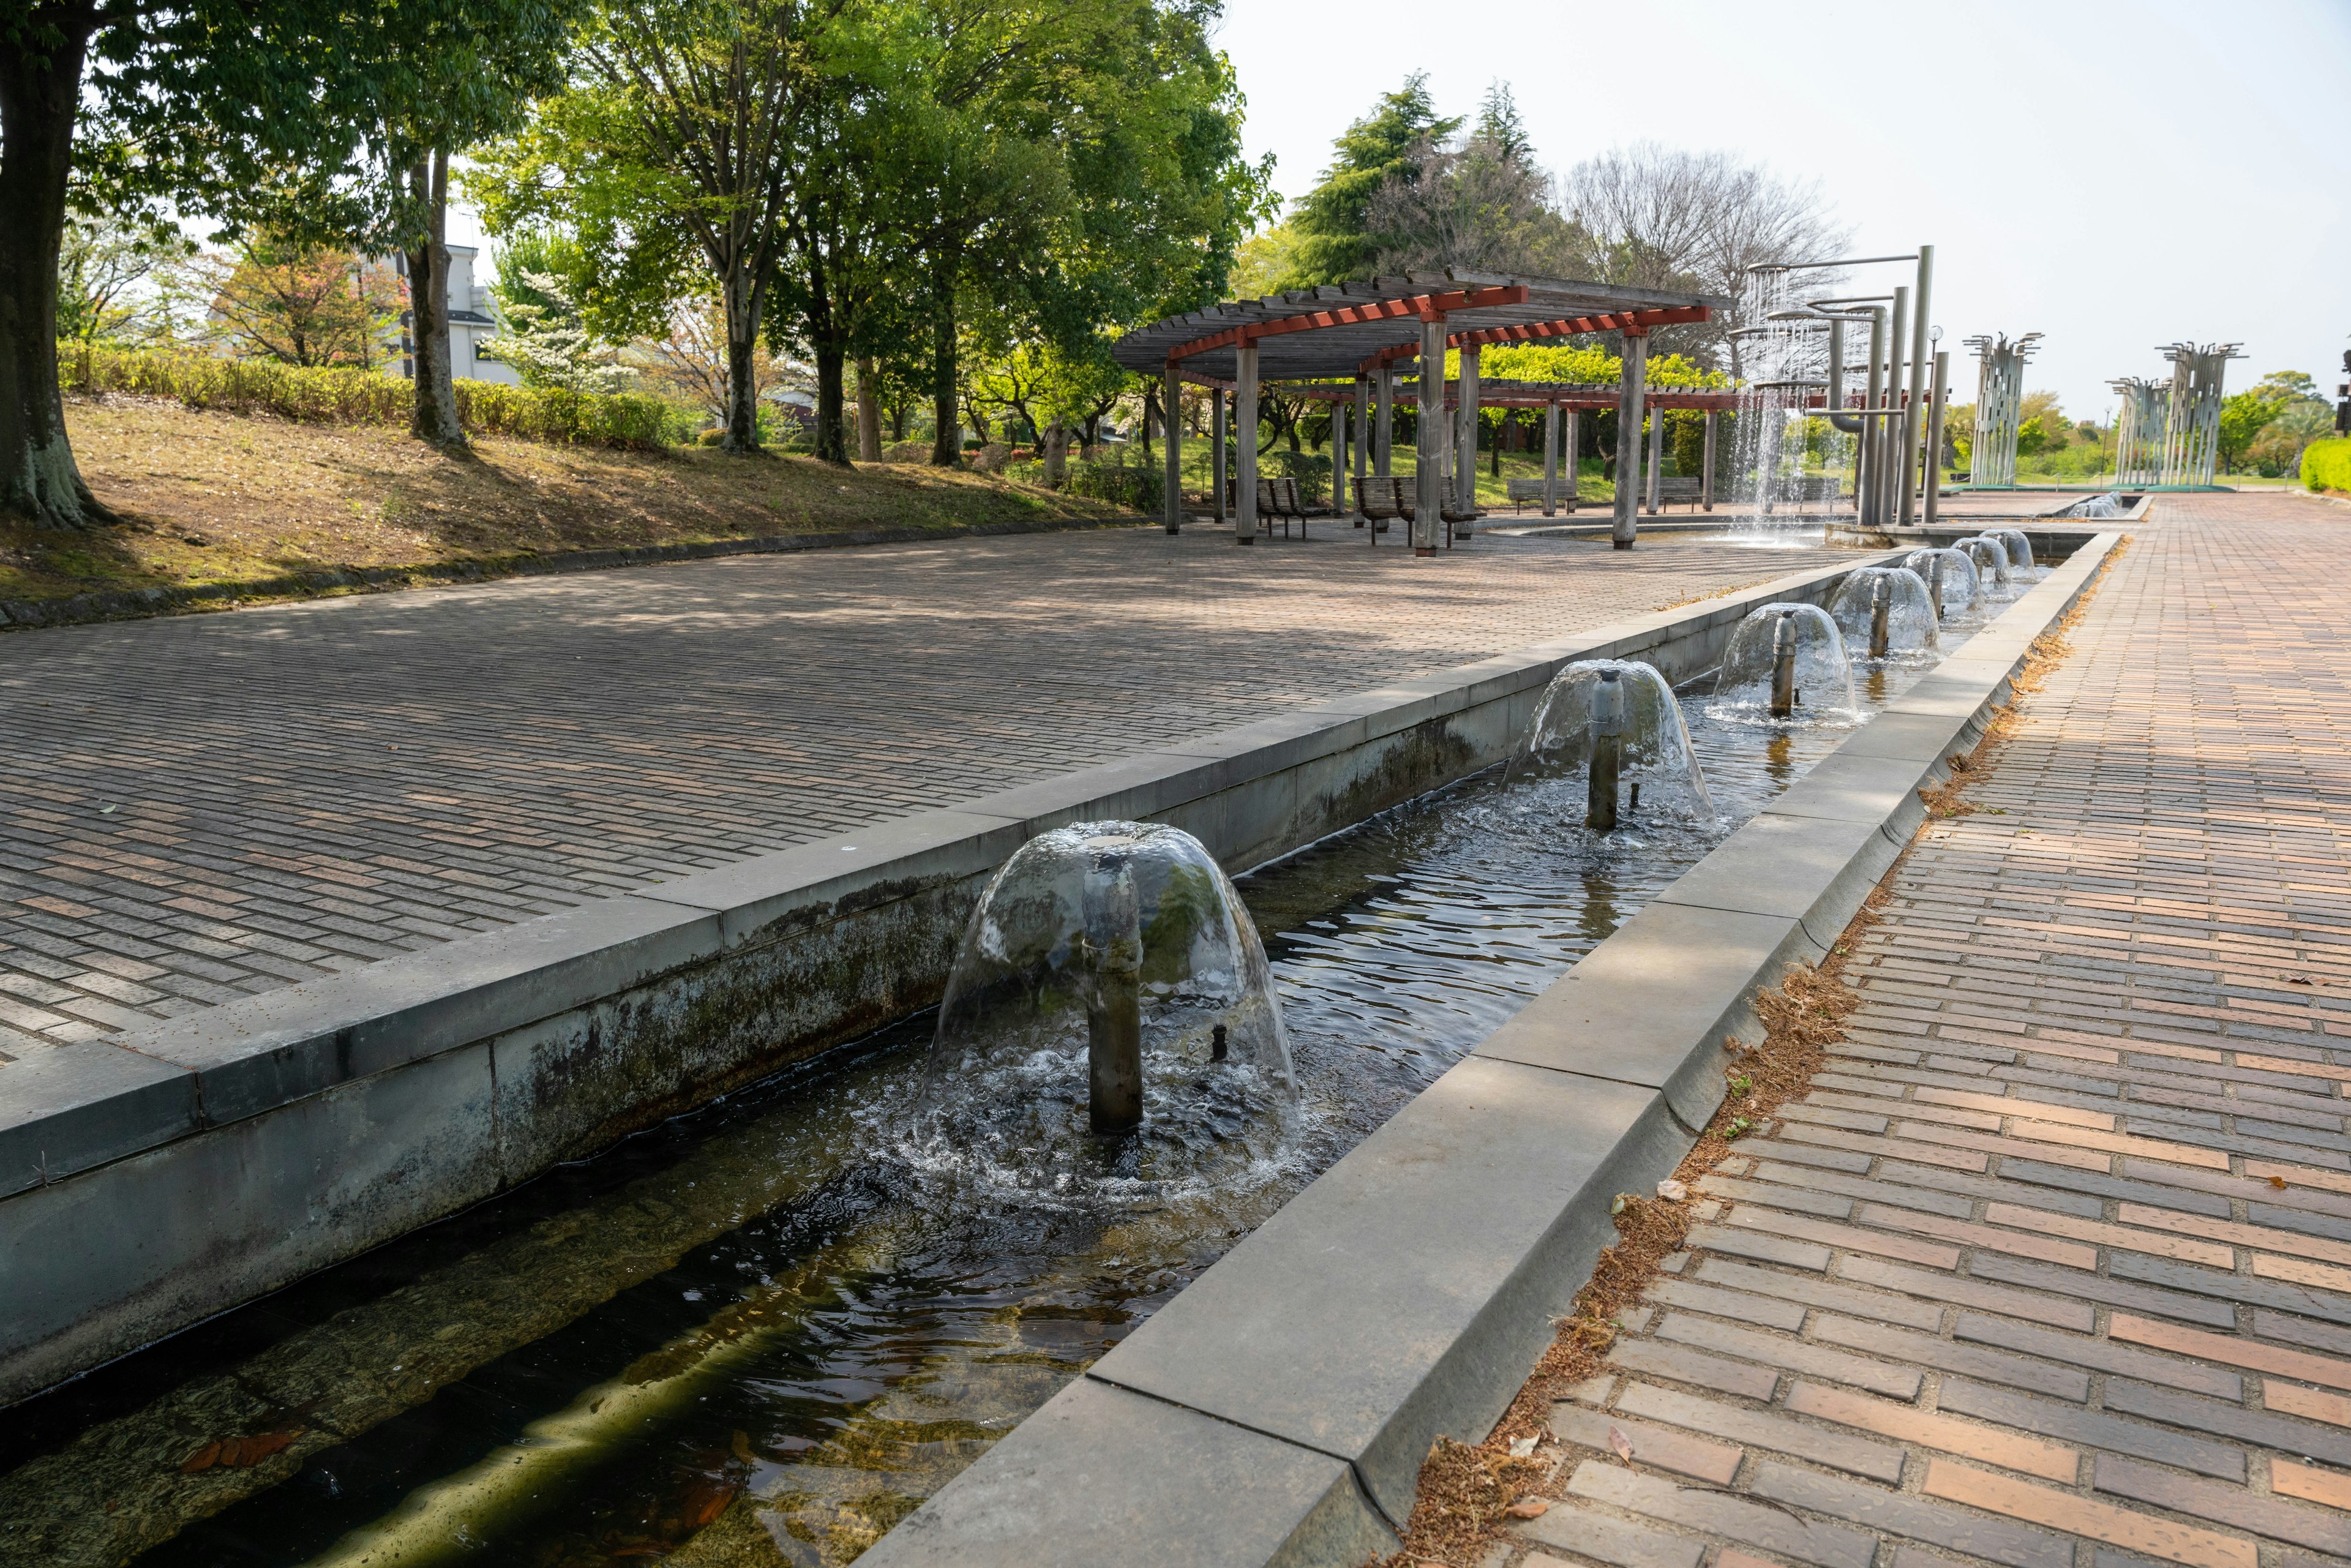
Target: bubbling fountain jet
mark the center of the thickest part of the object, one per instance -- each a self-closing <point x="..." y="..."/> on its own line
<point x="1126" y="941"/>
<point x="1613" y="720"/>
<point x="1888" y="609"/>
<point x="1991" y="556"/>
<point x="1778" y="653"/>
<point x="2019" y="546"/>
<point x="1951" y="580"/>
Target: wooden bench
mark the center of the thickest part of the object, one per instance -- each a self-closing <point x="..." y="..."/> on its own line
<point x="1382" y="498"/>
<point x="1277" y="498"/>
<point x="1672" y="489"/>
<point x="1529" y="492"/>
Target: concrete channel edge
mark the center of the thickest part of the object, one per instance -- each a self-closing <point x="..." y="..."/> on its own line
<point x="1277" y="1411"/>
<point x="152" y="1179"/>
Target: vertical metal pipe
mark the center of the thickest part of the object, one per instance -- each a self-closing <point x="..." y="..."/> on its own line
<point x="1881" y="597"/>
<point x="1551" y="460"/>
<point x="1783" y="666"/>
<point x="1607" y="760"/>
<point x="1429" y="443"/>
<point x="1465" y="460"/>
<point x="1935" y="434"/>
<point x="1115" y="1011"/>
<point x="1245" y="445"/>
<point x="1890" y="466"/>
<point x="1171" y="401"/>
<point x="1865" y="480"/>
<point x="1913" y="415"/>
<point x="1631" y="393"/>
<point x="1935" y="586"/>
<point x="1218" y="417"/>
<point x="1706" y="465"/>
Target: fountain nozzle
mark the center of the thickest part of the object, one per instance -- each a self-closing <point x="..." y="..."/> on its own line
<point x="1114" y="1011"/>
<point x="1783" y="666"/>
<point x="1217" y="1044"/>
<point x="1881" y="601"/>
<point x="1607" y="753"/>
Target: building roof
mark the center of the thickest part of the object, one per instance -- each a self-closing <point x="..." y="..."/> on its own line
<point x="1344" y="329"/>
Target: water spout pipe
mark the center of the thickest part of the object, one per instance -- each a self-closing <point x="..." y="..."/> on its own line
<point x="1783" y="666"/>
<point x="1890" y="469"/>
<point x="1217" y="1045"/>
<point x="1864" y="481"/>
<point x="1114" y="1011"/>
<point x="1935" y="586"/>
<point x="1607" y="753"/>
<point x="1881" y="599"/>
<point x="1914" y="422"/>
<point x="1845" y="421"/>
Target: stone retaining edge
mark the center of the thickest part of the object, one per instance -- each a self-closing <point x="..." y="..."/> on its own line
<point x="83" y="608"/>
<point x="1404" y="1293"/>
<point x="152" y="1179"/>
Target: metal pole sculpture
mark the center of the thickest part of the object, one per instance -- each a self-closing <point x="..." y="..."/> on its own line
<point x="2000" y="405"/>
<point x="1893" y="500"/>
<point x="1913" y="412"/>
<point x="2138" y="430"/>
<point x="1607" y="752"/>
<point x="2191" y="445"/>
<point x="1940" y="396"/>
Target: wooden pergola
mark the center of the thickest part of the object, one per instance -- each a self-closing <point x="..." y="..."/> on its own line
<point x="1351" y="339"/>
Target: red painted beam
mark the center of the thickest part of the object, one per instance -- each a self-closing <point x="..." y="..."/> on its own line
<point x="1421" y="307"/>
<point x="1634" y="321"/>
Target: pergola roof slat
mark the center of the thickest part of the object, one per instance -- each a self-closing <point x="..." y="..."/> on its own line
<point x="1335" y="329"/>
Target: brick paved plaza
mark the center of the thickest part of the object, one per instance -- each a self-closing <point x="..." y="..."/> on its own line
<point x="2053" y="1267"/>
<point x="199" y="808"/>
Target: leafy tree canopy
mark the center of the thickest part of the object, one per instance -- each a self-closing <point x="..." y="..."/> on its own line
<point x="1330" y="219"/>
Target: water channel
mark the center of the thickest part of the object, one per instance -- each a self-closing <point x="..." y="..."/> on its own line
<point x="764" y="1333"/>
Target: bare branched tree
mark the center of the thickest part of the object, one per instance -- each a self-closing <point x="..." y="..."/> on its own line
<point x="1669" y="218"/>
<point x="1481" y="205"/>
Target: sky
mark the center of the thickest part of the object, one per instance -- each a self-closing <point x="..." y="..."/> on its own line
<point x="2116" y="176"/>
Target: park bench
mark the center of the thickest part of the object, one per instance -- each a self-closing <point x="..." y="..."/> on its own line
<point x="1279" y="498"/>
<point x="1526" y="491"/>
<point x="1382" y="498"/>
<point x="1670" y="490"/>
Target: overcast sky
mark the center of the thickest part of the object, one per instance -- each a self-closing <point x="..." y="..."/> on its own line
<point x="2115" y="175"/>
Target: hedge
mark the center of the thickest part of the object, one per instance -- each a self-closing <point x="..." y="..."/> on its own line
<point x="2327" y="464"/>
<point x="350" y="396"/>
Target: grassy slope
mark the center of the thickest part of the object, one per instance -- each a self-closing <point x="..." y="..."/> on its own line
<point x="212" y="497"/>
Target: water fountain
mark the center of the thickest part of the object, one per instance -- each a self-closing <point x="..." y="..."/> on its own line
<point x="1776" y="655"/>
<point x="1991" y="556"/>
<point x="2109" y="504"/>
<point x="1122" y="948"/>
<point x="1951" y="580"/>
<point x="2020" y="547"/>
<point x="1886" y="611"/>
<point x="1610" y="720"/>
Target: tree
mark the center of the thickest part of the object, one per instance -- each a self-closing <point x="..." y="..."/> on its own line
<point x="102" y="263"/>
<point x="545" y="336"/>
<point x="1667" y="218"/>
<point x="1332" y="220"/>
<point x="692" y="362"/>
<point x="2279" y="447"/>
<point x="111" y="107"/>
<point x="1482" y="206"/>
<point x="300" y="304"/>
<point x="2042" y="410"/>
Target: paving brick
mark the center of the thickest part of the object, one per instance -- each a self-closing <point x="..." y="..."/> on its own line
<point x="2276" y="1427"/>
<point x="1748" y="1523"/>
<point x="2083" y="1516"/>
<point x="1795" y="1355"/>
<point x="2091" y="1428"/>
<point x="1927" y="1429"/>
<point x="2230" y="1351"/>
<point x="1925" y="1350"/>
<point x="1847" y="1237"/>
<point x="2315" y="1403"/>
<point x="1661" y="1447"/>
<point x="2065" y="1254"/>
<point x="2155" y="1243"/>
<point x="2057" y="1311"/>
<point x="1738" y="1305"/>
<point x="1765" y="1430"/>
<point x="1821" y="1293"/>
<point x="1995" y="1540"/>
<point x="1801" y="1200"/>
<point x="1613" y="1541"/>
<point x="1741" y="1243"/>
<point x="2224" y="1505"/>
<point x="2332" y="1487"/>
<point x="1683" y="1364"/>
<point x="2285" y="1295"/>
<point x="2081" y="1350"/>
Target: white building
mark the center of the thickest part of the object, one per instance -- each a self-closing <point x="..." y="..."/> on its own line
<point x="472" y="322"/>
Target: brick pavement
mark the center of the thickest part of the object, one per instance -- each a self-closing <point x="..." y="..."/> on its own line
<point x="200" y="808"/>
<point x="2051" y="1268"/>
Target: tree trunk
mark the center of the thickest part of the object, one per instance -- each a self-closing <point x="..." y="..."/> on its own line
<point x="832" y="430"/>
<point x="1150" y="419"/>
<point x="1056" y="444"/>
<point x="898" y="420"/>
<point x="869" y="415"/>
<point x="744" y="295"/>
<point x="436" y="416"/>
<point x="946" y="448"/>
<point x="40" y="92"/>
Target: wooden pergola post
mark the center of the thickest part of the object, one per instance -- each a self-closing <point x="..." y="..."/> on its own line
<point x="1171" y="403"/>
<point x="1429" y="443"/>
<point x="1384" y="430"/>
<point x="1245" y="444"/>
<point x="1705" y="465"/>
<point x="1657" y="455"/>
<point x="1218" y="417"/>
<point x="1363" y="441"/>
<point x="1550" y="459"/>
<point x="1572" y="445"/>
<point x="1465" y="458"/>
<point x="1632" y="393"/>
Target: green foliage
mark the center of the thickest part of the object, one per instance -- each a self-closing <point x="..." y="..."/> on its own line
<point x="2248" y="420"/>
<point x="1119" y="475"/>
<point x="2031" y="438"/>
<point x="1330" y="219"/>
<point x="1582" y="364"/>
<point x="345" y="395"/>
<point x="2327" y="464"/>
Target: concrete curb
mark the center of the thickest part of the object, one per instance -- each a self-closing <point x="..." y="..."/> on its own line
<point x="1404" y="1293"/>
<point x="82" y="609"/>
<point x="154" y="1178"/>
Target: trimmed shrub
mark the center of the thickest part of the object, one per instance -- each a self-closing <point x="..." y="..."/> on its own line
<point x="350" y="396"/>
<point x="2327" y="464"/>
